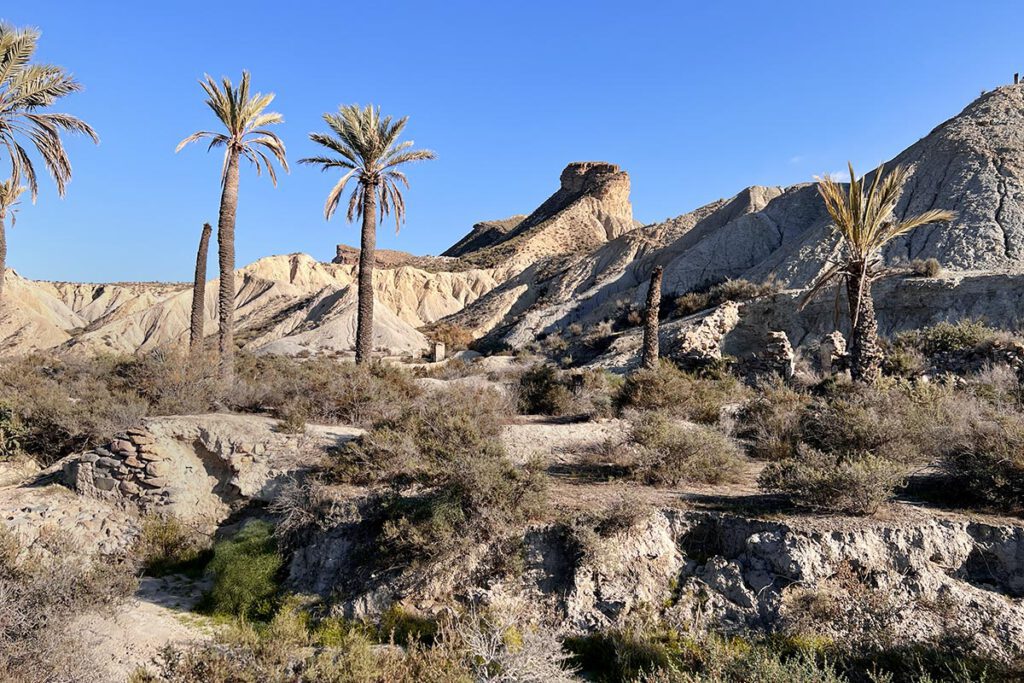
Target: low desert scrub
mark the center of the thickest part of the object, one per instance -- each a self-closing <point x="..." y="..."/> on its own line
<point x="172" y="381"/>
<point x="849" y="483"/>
<point x="64" y="405"/>
<point x="946" y="337"/>
<point x="446" y="475"/>
<point x="245" y="569"/>
<point x="700" y="399"/>
<point x="11" y="433"/>
<point x="168" y="545"/>
<point x="303" y="507"/>
<point x="491" y="646"/>
<point x="770" y="422"/>
<point x="41" y="592"/>
<point x="454" y="337"/>
<point x="670" y="453"/>
<point x="545" y="390"/>
<point x="929" y="267"/>
<point x="985" y="461"/>
<point x="730" y="290"/>
<point x="321" y="390"/>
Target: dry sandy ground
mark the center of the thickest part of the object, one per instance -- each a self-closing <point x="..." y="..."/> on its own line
<point x="133" y="634"/>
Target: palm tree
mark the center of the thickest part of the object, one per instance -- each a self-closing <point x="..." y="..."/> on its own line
<point x="865" y="224"/>
<point x="26" y="90"/>
<point x="10" y="190"/>
<point x="245" y="120"/>
<point x="371" y="154"/>
<point x="195" y="337"/>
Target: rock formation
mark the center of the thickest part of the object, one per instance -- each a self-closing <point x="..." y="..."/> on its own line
<point x="198" y="468"/>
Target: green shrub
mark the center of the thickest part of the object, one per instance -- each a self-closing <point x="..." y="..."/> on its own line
<point x="771" y="421"/>
<point x="168" y="546"/>
<point x="541" y="392"/>
<point x="245" y="570"/>
<point x="986" y="461"/>
<point x="671" y="454"/>
<point x="946" y="337"/>
<point x="448" y="447"/>
<point x="925" y="267"/>
<point x="850" y="483"/>
<point x="700" y="399"/>
<point x="11" y="433"/>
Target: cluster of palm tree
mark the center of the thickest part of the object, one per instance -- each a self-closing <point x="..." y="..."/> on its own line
<point x="365" y="147"/>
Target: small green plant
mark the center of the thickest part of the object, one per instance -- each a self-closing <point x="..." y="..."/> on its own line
<point x="245" y="570"/>
<point x="11" y="433"/>
<point x="947" y="337"/>
<point x="986" y="461"/>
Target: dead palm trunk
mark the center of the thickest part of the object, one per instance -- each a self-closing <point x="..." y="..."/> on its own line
<point x="649" y="359"/>
<point x="865" y="352"/>
<point x="226" y="258"/>
<point x="195" y="338"/>
<point x="367" y="257"/>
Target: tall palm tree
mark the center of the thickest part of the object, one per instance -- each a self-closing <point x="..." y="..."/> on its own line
<point x="370" y="153"/>
<point x="865" y="224"/>
<point x="246" y="136"/>
<point x="26" y="90"/>
<point x="10" y="190"/>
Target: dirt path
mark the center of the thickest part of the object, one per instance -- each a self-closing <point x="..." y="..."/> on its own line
<point x="133" y="635"/>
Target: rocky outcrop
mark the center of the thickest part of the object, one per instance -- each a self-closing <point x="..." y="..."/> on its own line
<point x="701" y="343"/>
<point x="198" y="468"/>
<point x="907" y="581"/>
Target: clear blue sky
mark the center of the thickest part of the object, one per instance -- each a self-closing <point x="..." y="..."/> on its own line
<point x="695" y="99"/>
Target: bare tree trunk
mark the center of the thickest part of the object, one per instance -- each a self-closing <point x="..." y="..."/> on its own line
<point x="195" y="338"/>
<point x="367" y="261"/>
<point x="226" y="257"/>
<point x="649" y="360"/>
<point x="865" y="351"/>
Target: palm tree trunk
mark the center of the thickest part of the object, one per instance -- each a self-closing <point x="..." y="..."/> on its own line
<point x="3" y="257"/>
<point x="649" y="359"/>
<point x="865" y="352"/>
<point x="226" y="257"/>
<point x="367" y="261"/>
<point x="199" y="291"/>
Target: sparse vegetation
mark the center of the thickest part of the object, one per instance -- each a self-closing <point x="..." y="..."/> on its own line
<point x="929" y="267"/>
<point x="700" y="399"/>
<point x="41" y="592"/>
<point x="169" y="546"/>
<point x="717" y="294"/>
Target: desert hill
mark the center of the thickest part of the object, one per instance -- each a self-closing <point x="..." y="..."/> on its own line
<point x="296" y="305"/>
<point x="971" y="163"/>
